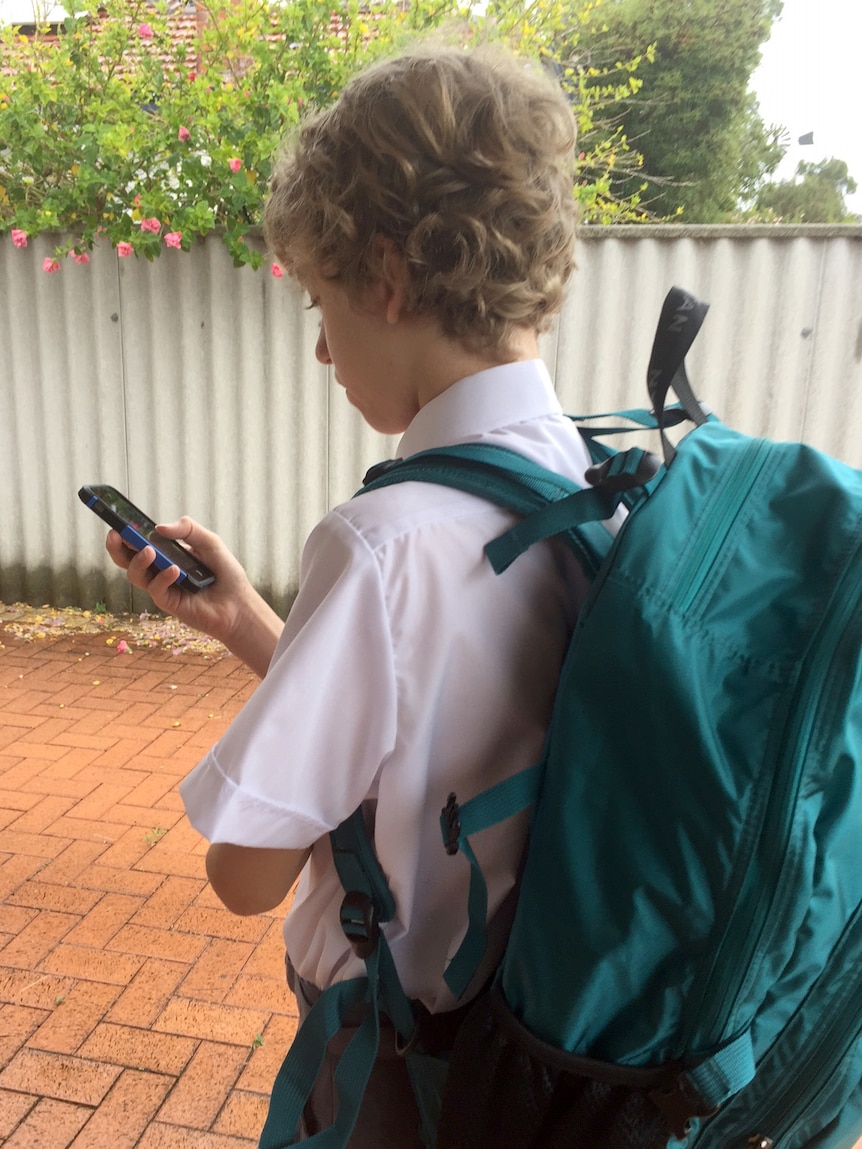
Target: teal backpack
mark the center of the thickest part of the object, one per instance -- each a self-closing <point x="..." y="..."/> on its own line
<point x="685" y="964"/>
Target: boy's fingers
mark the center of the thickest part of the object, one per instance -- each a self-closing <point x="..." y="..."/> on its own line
<point x="141" y="571"/>
<point x="188" y="531"/>
<point x="162" y="581"/>
<point x="139" y="568"/>
<point x="117" y="549"/>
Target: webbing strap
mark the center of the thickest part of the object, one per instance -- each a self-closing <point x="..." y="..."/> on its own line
<point x="483" y="458"/>
<point x="680" y="320"/>
<point x="359" y="871"/>
<point x="621" y="472"/>
<point x="357" y="864"/>
<point x="726" y="1072"/>
<point x="499" y="802"/>
<point x="460" y="970"/>
<point x="457" y="824"/>
<point x="634" y="414"/>
<point x="640" y="416"/>
<point x="428" y="1078"/>
<point x="299" y="1070"/>
<point x="554" y="519"/>
<point x="363" y="880"/>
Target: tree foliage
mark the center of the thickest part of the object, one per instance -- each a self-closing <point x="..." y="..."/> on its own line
<point x="816" y="195"/>
<point x="564" y="34"/>
<point x="692" y="117"/>
<point x="117" y="129"/>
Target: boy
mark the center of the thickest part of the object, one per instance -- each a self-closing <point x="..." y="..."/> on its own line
<point x="429" y="214"/>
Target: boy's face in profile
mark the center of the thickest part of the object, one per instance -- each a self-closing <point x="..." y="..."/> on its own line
<point x="364" y="342"/>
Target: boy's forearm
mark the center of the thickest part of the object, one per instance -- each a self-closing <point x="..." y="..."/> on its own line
<point x="254" y="634"/>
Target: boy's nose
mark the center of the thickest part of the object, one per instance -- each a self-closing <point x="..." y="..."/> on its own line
<point x="321" y="350"/>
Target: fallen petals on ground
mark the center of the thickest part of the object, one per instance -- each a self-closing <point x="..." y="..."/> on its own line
<point x="127" y="632"/>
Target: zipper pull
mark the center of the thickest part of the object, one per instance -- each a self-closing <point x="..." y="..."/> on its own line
<point x="758" y="1141"/>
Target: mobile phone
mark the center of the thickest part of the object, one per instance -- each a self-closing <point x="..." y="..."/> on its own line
<point x="138" y="530"/>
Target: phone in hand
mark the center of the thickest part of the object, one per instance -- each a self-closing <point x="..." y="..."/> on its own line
<point x="138" y="530"/>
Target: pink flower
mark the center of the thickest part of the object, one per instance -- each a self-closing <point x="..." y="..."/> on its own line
<point x="50" y="265"/>
<point x="19" y="237"/>
<point x="145" y="31"/>
<point x="80" y="257"/>
<point x="235" y="164"/>
<point x="174" y="239"/>
<point x="152" y="225"/>
<point x="192" y="77"/>
<point x="183" y="134"/>
<point x="276" y="271"/>
<point x="123" y="647"/>
<point x="124" y="249"/>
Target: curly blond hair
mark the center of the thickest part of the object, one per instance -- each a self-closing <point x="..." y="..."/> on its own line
<point x="464" y="160"/>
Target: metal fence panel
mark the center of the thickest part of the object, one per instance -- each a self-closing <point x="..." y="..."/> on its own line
<point x="194" y="387"/>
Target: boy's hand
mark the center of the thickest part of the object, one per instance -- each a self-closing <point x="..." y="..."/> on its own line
<point x="230" y="610"/>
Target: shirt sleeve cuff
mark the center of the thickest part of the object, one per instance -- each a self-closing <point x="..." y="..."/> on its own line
<point x="223" y="812"/>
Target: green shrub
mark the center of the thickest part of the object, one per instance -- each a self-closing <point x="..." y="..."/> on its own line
<point x="122" y="130"/>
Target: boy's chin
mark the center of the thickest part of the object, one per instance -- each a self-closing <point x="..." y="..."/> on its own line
<point x="383" y="424"/>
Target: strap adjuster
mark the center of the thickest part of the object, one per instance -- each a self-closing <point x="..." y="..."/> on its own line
<point x="450" y="817"/>
<point x="359" y="922"/>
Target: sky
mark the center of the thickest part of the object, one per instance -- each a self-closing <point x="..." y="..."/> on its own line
<point x="809" y="81"/>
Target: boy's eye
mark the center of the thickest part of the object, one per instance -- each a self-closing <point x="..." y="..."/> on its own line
<point x="313" y="303"/>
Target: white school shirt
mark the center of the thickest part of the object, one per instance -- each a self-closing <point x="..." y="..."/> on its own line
<point x="406" y="670"/>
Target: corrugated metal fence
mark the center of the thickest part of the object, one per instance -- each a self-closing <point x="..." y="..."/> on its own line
<point x="193" y="386"/>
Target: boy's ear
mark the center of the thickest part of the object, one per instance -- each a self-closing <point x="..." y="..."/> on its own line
<point x="394" y="278"/>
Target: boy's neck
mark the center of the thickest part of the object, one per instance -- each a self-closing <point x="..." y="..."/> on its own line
<point x="450" y="361"/>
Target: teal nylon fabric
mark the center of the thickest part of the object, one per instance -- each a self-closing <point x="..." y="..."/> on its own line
<point x="695" y="863"/>
<point x="648" y="862"/>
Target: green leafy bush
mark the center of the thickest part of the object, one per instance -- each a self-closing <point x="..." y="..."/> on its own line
<point x="147" y="131"/>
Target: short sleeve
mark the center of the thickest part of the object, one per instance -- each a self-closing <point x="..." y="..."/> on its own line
<point x="306" y="748"/>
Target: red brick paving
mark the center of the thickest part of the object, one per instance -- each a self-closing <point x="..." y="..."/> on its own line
<point x="132" y="1004"/>
<point x="135" y="1012"/>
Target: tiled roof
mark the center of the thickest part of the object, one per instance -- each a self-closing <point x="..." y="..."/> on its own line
<point x="185" y="20"/>
<point x="184" y="23"/>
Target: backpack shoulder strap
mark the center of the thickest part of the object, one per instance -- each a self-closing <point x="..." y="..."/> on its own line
<point x="550" y="503"/>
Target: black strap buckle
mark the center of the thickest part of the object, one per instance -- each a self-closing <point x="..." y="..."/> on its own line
<point x="605" y="477"/>
<point x="680" y="1102"/>
<point x="451" y="815"/>
<point x="359" y="922"/>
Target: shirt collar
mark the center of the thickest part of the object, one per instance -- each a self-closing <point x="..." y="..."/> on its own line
<point x="478" y="404"/>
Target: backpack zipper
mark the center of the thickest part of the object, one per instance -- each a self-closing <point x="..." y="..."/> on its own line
<point x="792" y="1107"/>
<point x="746" y="929"/>
<point x="825" y="1047"/>
<point x="727" y="506"/>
